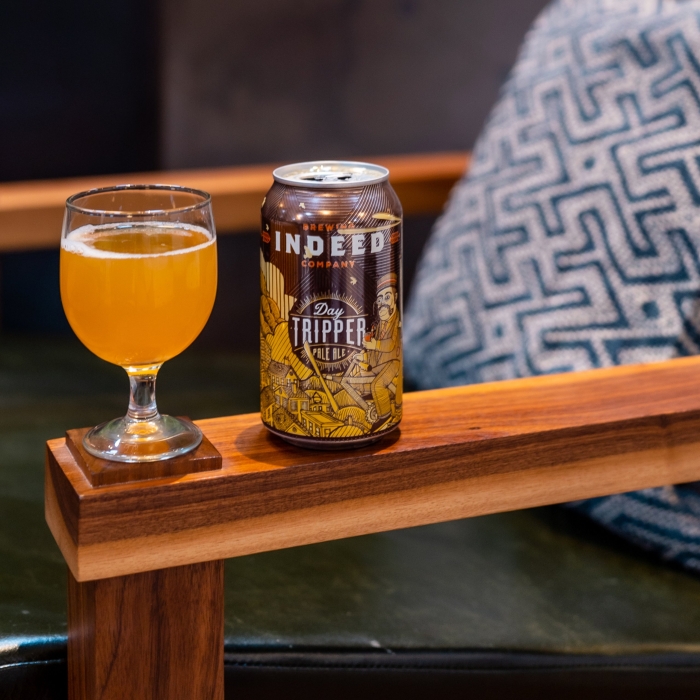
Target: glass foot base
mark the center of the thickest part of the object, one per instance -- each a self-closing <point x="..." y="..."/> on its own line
<point x="127" y="440"/>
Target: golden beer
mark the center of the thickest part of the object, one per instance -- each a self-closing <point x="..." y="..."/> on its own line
<point x="137" y="295"/>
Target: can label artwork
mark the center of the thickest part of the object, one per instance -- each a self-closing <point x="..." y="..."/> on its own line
<point x="331" y="370"/>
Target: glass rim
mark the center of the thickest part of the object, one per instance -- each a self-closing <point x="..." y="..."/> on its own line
<point x="72" y="206"/>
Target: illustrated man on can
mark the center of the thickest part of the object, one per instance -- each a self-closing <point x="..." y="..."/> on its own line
<point x="378" y="368"/>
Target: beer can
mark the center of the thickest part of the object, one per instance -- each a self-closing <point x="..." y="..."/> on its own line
<point x="331" y="365"/>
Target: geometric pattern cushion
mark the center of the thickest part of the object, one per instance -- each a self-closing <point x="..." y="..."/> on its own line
<point x="574" y="240"/>
<point x="665" y="520"/>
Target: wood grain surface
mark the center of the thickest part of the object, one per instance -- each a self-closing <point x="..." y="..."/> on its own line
<point x="150" y="636"/>
<point x="31" y="212"/>
<point x="460" y="452"/>
<point x="100" y="472"/>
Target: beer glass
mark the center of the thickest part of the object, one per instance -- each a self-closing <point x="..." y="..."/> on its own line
<point x="138" y="281"/>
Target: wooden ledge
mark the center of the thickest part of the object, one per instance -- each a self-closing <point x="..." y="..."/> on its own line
<point x="461" y="452"/>
<point x="31" y="212"/>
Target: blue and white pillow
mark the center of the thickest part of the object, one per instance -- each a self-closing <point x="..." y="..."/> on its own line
<point x="574" y="240"/>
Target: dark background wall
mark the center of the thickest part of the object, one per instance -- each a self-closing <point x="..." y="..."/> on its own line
<point x="79" y="88"/>
<point x="90" y="88"/>
<point x="277" y="80"/>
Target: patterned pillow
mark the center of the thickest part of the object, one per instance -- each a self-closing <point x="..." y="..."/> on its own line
<point x="574" y="240"/>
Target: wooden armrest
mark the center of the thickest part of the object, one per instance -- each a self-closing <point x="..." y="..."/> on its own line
<point x="461" y="452"/>
<point x="31" y="212"/>
<point x="145" y="593"/>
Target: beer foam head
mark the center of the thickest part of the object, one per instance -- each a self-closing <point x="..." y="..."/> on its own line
<point x="82" y="241"/>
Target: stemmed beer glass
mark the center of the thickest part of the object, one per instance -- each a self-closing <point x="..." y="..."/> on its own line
<point x="138" y="281"/>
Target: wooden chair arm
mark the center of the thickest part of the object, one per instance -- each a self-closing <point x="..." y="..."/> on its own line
<point x="31" y="212"/>
<point x="461" y="452"/>
<point x="145" y="593"/>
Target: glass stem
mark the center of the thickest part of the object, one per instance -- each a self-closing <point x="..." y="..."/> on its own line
<point x="142" y="398"/>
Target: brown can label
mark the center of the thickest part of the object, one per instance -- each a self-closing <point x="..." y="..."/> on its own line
<point x="330" y="312"/>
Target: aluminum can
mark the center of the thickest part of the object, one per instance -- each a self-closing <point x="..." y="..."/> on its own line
<point x="331" y="361"/>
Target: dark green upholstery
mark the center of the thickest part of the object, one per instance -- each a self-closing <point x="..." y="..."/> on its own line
<point x="533" y="599"/>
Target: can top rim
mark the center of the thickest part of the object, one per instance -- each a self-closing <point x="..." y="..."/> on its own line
<point x="334" y="174"/>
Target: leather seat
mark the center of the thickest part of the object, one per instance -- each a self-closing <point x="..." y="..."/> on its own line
<point x="530" y="603"/>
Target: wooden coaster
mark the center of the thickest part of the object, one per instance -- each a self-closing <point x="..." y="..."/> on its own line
<point x="101" y="472"/>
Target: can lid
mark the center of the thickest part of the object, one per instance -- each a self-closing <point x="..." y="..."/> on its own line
<point x="330" y="173"/>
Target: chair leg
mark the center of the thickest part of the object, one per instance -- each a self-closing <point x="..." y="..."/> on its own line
<point x="152" y="636"/>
